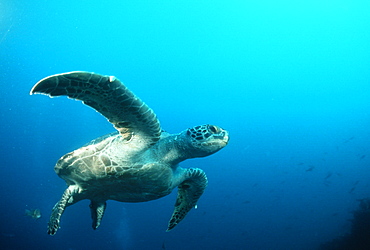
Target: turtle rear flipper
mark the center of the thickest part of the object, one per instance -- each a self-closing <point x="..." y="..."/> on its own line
<point x="189" y="191"/>
<point x="58" y="209"/>
<point x="97" y="211"/>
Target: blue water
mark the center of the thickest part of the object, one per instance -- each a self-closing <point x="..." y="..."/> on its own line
<point x="290" y="80"/>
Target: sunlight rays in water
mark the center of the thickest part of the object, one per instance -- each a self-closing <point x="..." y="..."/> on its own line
<point x="8" y="15"/>
<point x="3" y="37"/>
<point x="123" y="232"/>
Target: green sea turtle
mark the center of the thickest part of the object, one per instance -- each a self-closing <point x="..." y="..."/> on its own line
<point x="136" y="164"/>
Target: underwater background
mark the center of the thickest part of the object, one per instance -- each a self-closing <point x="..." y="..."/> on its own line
<point x="290" y="81"/>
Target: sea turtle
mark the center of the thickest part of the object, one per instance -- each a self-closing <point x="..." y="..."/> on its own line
<point x="137" y="163"/>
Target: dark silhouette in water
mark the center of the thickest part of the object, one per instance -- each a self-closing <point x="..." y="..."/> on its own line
<point x="354" y="187"/>
<point x="349" y="139"/>
<point x="359" y="237"/>
<point x="310" y="168"/>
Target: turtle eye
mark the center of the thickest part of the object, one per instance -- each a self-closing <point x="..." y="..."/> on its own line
<point x="213" y="129"/>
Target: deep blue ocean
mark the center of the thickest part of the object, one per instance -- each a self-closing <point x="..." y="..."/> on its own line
<point x="290" y="81"/>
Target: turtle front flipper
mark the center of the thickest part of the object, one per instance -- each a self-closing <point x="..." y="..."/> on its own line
<point x="189" y="191"/>
<point x="111" y="98"/>
<point x="97" y="211"/>
<point x="58" y="209"/>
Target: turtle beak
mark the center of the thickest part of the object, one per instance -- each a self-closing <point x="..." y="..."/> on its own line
<point x="226" y="137"/>
<point x="223" y="135"/>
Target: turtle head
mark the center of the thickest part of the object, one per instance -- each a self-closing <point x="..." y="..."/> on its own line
<point x="206" y="139"/>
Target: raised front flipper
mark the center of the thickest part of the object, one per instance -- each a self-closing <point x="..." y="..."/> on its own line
<point x="97" y="211"/>
<point x="189" y="191"/>
<point x="58" y="209"/>
<point x="107" y="95"/>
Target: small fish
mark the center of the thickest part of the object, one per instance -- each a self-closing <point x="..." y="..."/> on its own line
<point x="352" y="189"/>
<point x="350" y="139"/>
<point x="310" y="168"/>
<point x="328" y="175"/>
<point x="33" y="213"/>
